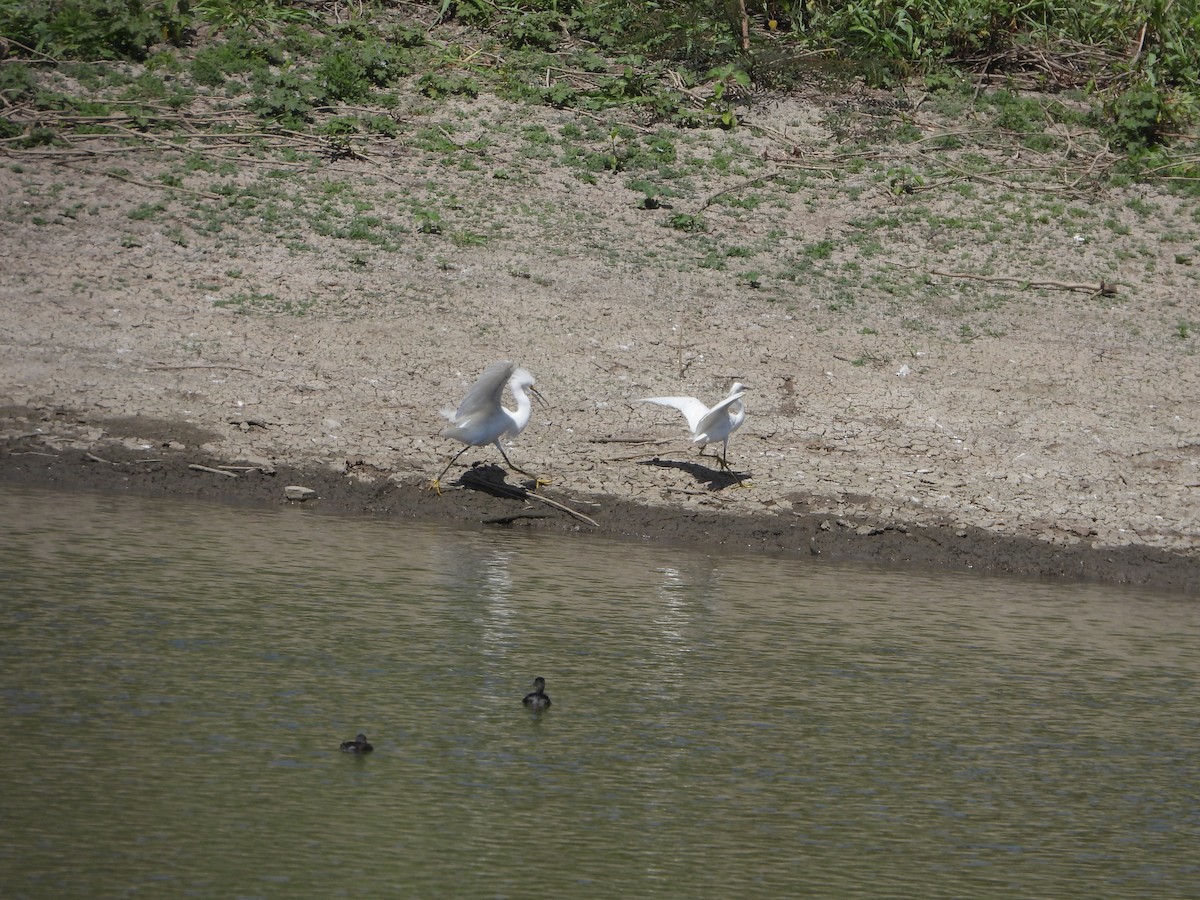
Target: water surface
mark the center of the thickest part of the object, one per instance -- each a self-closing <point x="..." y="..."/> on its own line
<point x="177" y="678"/>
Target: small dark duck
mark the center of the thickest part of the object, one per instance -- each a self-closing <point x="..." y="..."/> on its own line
<point x="538" y="698"/>
<point x="358" y="745"/>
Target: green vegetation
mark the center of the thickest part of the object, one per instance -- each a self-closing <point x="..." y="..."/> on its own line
<point x="688" y="62"/>
<point x="983" y="128"/>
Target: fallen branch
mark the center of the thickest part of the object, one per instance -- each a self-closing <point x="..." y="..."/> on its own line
<point x="531" y="495"/>
<point x="627" y="440"/>
<point x="1103" y="288"/>
<point x="207" y="195"/>
<point x="165" y="368"/>
<point x="653" y="454"/>
<point x="200" y="468"/>
<point x="749" y="182"/>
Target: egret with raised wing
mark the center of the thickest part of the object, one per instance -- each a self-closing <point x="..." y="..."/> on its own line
<point x="710" y="425"/>
<point x="481" y="417"/>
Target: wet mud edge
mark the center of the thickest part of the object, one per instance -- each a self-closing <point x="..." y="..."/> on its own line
<point x="114" y="469"/>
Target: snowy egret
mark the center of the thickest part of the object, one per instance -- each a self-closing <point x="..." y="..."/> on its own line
<point x="710" y="425"/>
<point x="482" y="419"/>
<point x="537" y="698"/>
<point x="358" y="745"/>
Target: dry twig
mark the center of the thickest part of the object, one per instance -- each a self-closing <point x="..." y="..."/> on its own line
<point x="200" y="468"/>
<point x="1103" y="288"/>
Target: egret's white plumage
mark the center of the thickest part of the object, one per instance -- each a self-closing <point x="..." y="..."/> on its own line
<point x="481" y="417"/>
<point x="710" y="425"/>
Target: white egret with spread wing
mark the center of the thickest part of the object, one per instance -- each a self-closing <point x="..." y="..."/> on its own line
<point x="709" y="425"/>
<point x="481" y="417"/>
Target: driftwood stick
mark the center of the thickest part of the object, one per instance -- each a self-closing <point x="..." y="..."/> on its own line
<point x="164" y="368"/>
<point x="628" y="440"/>
<point x="200" y="468"/>
<point x="749" y="182"/>
<point x="1102" y="288"/>
<point x="530" y="495"/>
<point x="207" y="195"/>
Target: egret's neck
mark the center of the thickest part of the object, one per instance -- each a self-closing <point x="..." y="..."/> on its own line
<point x="737" y="413"/>
<point x="524" y="409"/>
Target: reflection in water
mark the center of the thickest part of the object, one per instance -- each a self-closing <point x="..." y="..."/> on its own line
<point x="672" y="623"/>
<point x="673" y="619"/>
<point x="178" y="679"/>
<point x="497" y="594"/>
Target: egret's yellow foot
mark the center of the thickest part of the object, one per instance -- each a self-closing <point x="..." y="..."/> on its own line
<point x="538" y="480"/>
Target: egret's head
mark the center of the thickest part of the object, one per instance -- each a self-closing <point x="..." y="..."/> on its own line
<point x="523" y="378"/>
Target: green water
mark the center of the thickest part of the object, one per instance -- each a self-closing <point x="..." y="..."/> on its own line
<point x="176" y="680"/>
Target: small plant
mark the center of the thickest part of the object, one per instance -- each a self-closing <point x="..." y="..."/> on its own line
<point x="903" y="180"/>
<point x="1139" y="117"/>
<point x="820" y="250"/>
<point x="650" y="200"/>
<point x="468" y="239"/>
<point x="40" y="137"/>
<point x="285" y="96"/>
<point x="429" y="222"/>
<point x="539" y="30"/>
<point x="725" y="82"/>
<point x="686" y="222"/>
<point x="93" y="29"/>
<point x="257" y="15"/>
<point x="145" y="211"/>
<point x="436" y="85"/>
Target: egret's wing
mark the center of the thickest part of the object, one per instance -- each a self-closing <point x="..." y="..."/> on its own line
<point x="693" y="410"/>
<point x="485" y="394"/>
<point x="718" y="423"/>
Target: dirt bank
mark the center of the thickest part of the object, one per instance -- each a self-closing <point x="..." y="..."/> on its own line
<point x="930" y="380"/>
<point x="161" y="471"/>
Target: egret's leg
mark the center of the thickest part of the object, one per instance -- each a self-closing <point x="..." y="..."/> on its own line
<point x="538" y="481"/>
<point x="728" y="468"/>
<point x="436" y="484"/>
<point x="718" y="457"/>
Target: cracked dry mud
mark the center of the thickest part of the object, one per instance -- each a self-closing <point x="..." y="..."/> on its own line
<point x="894" y="414"/>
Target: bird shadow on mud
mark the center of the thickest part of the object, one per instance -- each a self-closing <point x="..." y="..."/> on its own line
<point x="490" y="479"/>
<point x="713" y="479"/>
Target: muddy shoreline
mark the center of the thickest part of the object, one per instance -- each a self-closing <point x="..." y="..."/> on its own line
<point x="468" y="502"/>
<point x="932" y="379"/>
